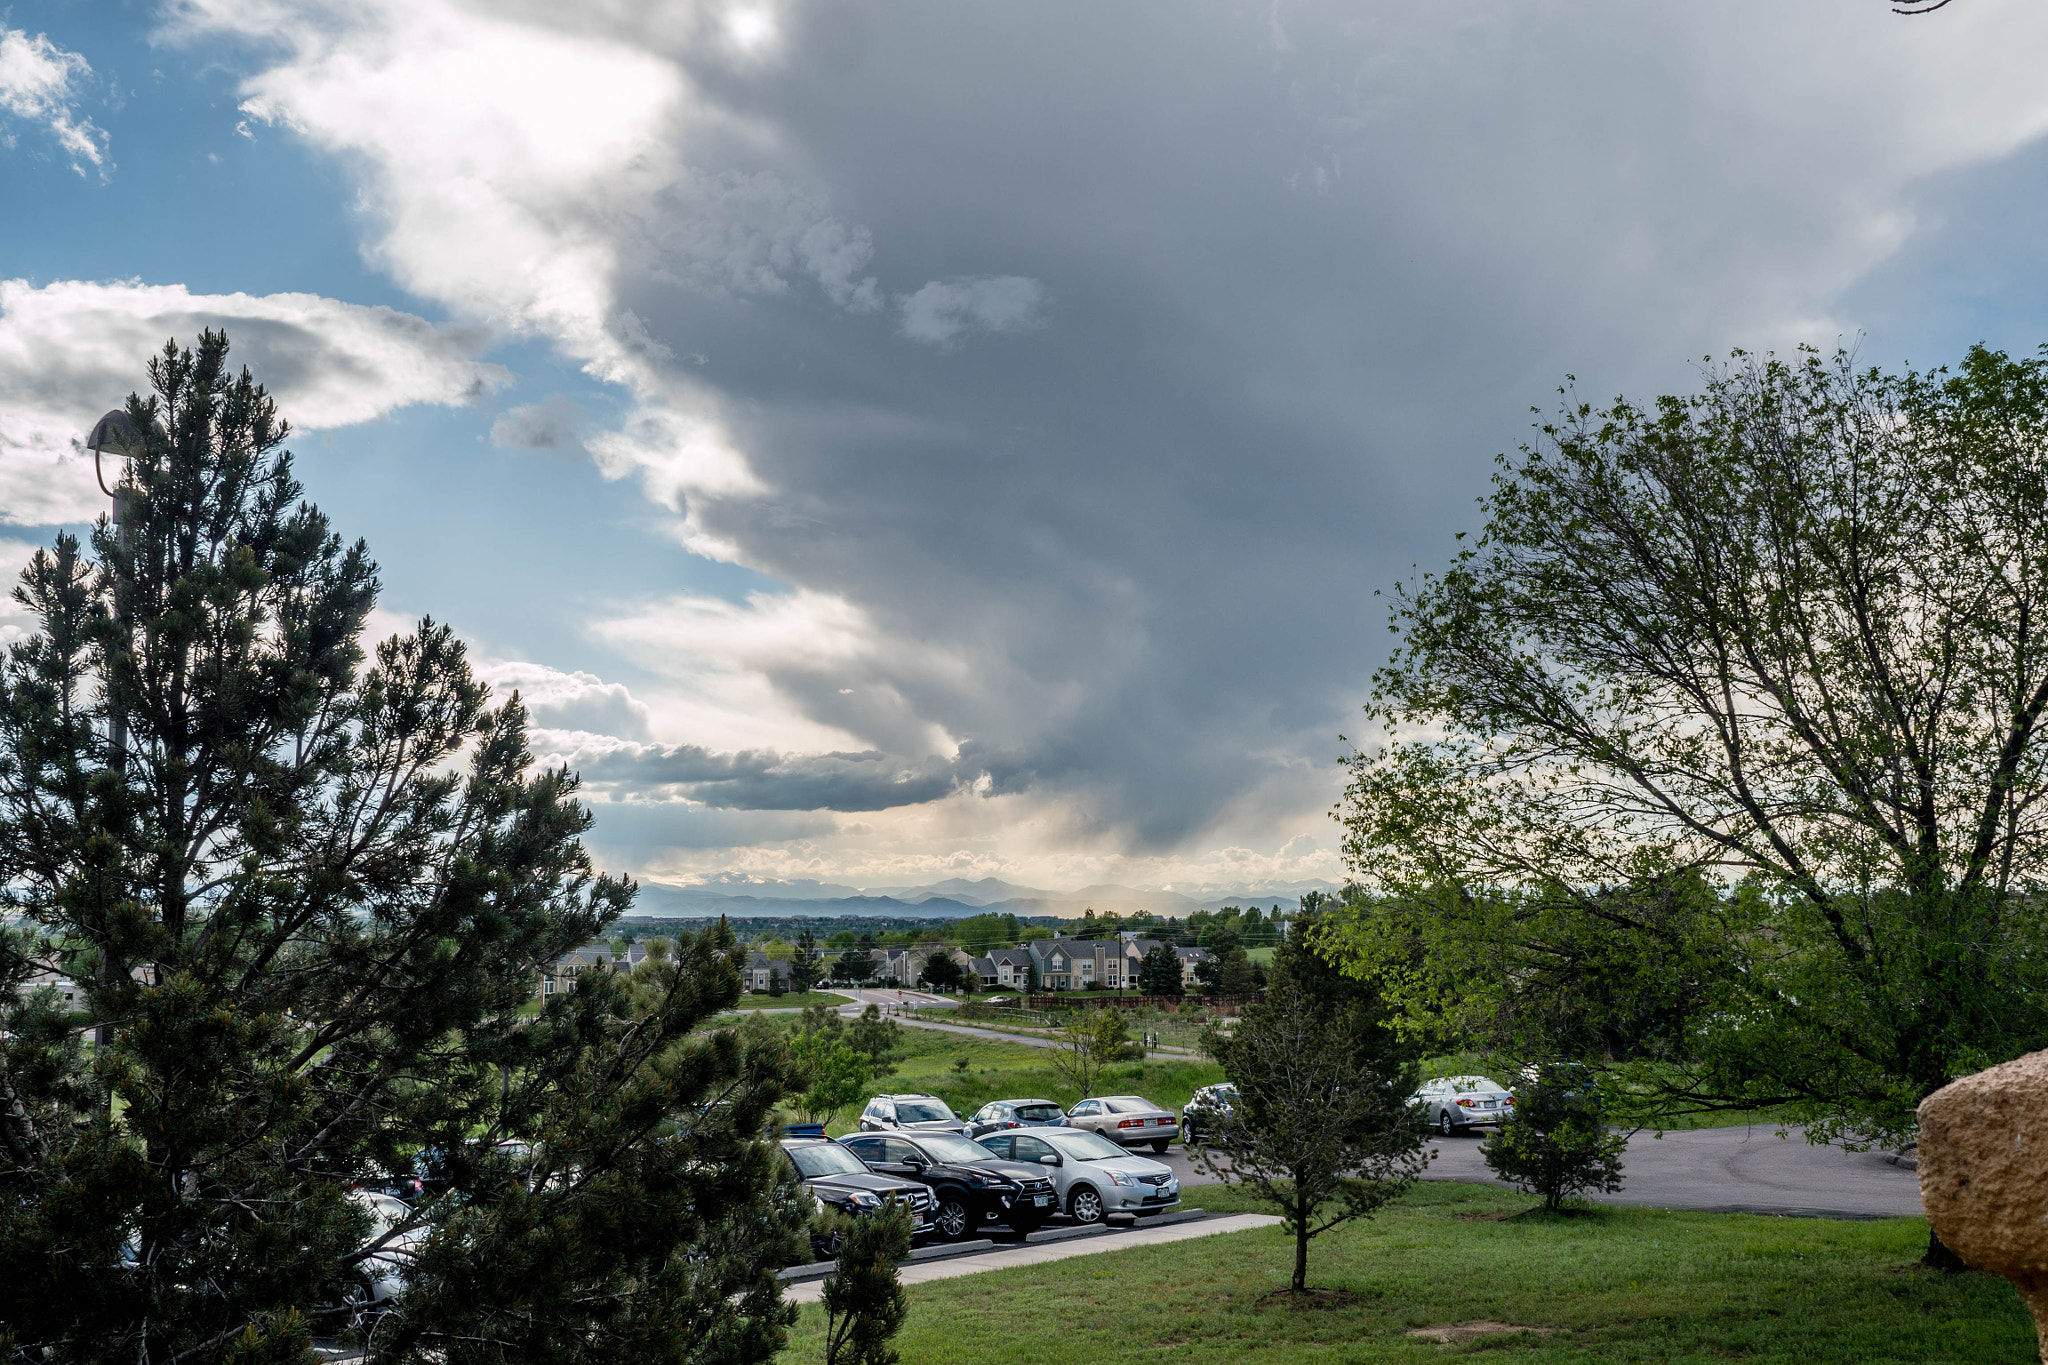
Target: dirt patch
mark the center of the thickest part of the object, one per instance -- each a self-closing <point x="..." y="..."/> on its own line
<point x="1450" y="1334"/>
<point x="1311" y="1299"/>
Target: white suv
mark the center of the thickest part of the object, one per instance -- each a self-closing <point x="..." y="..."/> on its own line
<point x="911" y="1114"/>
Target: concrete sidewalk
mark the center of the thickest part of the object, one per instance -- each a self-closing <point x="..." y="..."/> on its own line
<point x="1009" y="1258"/>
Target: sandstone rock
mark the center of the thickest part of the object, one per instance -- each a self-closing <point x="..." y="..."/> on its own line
<point x="1984" y="1174"/>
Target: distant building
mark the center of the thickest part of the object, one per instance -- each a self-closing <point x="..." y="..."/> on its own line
<point x="761" y="969"/>
<point x="561" y="974"/>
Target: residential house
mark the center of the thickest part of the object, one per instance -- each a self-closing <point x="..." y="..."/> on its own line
<point x="562" y="973"/>
<point x="1004" y="969"/>
<point x="761" y="969"/>
<point x="1074" y="964"/>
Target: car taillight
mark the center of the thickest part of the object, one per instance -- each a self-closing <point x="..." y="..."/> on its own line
<point x="1130" y="1123"/>
<point x="1466" y="1104"/>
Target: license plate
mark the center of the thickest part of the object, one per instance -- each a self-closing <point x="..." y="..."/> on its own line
<point x="1041" y="1199"/>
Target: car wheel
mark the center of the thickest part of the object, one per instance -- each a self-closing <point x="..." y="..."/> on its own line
<point x="952" y="1218"/>
<point x="1085" y="1204"/>
<point x="1443" y="1122"/>
<point x="1160" y="1145"/>
<point x="343" y="1306"/>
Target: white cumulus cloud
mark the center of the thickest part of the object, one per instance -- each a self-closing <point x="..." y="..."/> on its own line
<point x="39" y="83"/>
<point x="73" y="349"/>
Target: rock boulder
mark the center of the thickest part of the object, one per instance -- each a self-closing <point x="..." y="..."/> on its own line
<point x="1984" y="1174"/>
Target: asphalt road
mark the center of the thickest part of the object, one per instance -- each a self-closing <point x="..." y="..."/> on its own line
<point x="1713" y="1170"/>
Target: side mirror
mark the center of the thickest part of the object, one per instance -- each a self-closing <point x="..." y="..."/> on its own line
<point x="1048" y="1160"/>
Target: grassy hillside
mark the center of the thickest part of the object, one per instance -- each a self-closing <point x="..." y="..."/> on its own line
<point x="1602" y="1288"/>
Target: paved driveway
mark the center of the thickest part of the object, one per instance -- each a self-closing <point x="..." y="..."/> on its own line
<point x="1716" y="1170"/>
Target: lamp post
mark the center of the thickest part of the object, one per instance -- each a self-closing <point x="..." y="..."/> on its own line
<point x="114" y="431"/>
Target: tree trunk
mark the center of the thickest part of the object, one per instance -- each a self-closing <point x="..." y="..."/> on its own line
<point x="1301" y="1256"/>
<point x="1940" y="1257"/>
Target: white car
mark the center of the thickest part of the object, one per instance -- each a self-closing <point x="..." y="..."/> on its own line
<point x="1458" y="1104"/>
<point x="1092" y="1175"/>
<point x="379" y="1277"/>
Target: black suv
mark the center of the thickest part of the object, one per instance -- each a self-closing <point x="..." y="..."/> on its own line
<point x="971" y="1184"/>
<point x="835" y="1176"/>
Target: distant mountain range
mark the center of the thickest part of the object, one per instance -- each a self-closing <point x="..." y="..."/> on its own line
<point x="955" y="898"/>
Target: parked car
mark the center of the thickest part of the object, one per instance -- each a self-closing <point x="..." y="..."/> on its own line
<point x="1091" y="1175"/>
<point x="378" y="1276"/>
<point x="1458" y="1104"/>
<point x="1204" y="1108"/>
<point x="911" y="1114"/>
<point x="1128" y="1119"/>
<point x="998" y="1114"/>
<point x="970" y="1185"/>
<point x="839" y="1179"/>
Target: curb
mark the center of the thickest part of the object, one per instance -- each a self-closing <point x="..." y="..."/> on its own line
<point x="947" y="1251"/>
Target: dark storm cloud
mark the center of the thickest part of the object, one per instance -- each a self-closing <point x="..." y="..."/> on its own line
<point x="762" y="780"/>
<point x="1294" y="277"/>
<point x="1093" y="366"/>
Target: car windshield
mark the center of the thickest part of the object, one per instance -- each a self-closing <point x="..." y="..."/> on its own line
<point x="1128" y="1104"/>
<point x="923" y="1111"/>
<point x="385" y="1212"/>
<point x="819" y="1159"/>
<point x="955" y="1149"/>
<point x="1085" y="1146"/>
<point x="1038" y="1113"/>
<point x="1465" y="1085"/>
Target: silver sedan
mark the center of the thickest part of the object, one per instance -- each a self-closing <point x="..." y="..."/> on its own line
<point x="1094" y="1177"/>
<point x="1128" y="1119"/>
<point x="1458" y="1104"/>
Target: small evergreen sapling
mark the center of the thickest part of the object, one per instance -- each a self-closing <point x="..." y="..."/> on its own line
<point x="1320" y="1126"/>
<point x="1557" y="1144"/>
<point x="864" y="1300"/>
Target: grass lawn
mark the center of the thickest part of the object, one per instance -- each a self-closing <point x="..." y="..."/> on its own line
<point x="1616" y="1285"/>
<point x="931" y="1062"/>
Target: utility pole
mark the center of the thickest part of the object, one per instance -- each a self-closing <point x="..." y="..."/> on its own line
<point x="114" y="431"/>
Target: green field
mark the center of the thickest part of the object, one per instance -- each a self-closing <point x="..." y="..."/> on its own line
<point x="1616" y="1285"/>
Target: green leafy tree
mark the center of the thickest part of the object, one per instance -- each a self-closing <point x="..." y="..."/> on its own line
<point x="864" y="1301"/>
<point x="1786" y="630"/>
<point x="854" y="965"/>
<point x="1321" y="1126"/>
<point x="1159" y="971"/>
<point x="1088" y="1041"/>
<point x="1557" y="1143"/>
<point x="942" y="973"/>
<point x="806" y="967"/>
<point x="305" y="900"/>
<point x="830" y="1075"/>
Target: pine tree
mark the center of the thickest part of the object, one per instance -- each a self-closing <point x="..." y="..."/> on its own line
<point x="1159" y="971"/>
<point x="304" y="901"/>
<point x="806" y="968"/>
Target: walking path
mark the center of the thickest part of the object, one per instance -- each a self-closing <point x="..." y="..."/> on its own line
<point x="1011" y="1257"/>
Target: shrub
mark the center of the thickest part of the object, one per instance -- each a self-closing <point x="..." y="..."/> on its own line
<point x="1557" y="1144"/>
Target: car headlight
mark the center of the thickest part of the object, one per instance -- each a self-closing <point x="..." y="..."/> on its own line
<point x="1119" y="1178"/>
<point x="861" y="1199"/>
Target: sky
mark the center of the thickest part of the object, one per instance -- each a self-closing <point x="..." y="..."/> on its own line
<point x="892" y="442"/>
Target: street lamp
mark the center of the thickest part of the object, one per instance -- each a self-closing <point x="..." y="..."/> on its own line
<point x="114" y="432"/>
